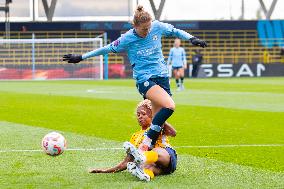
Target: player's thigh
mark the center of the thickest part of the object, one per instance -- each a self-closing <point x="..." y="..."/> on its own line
<point x="155" y="108"/>
<point x="163" y="157"/>
<point x="181" y="72"/>
<point x="176" y="74"/>
<point x="160" y="98"/>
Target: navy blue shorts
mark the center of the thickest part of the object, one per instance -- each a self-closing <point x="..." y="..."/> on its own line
<point x="173" y="161"/>
<point x="163" y="82"/>
<point x="176" y="68"/>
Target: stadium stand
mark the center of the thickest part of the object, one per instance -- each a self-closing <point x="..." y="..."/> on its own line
<point x="233" y="46"/>
<point x="227" y="46"/>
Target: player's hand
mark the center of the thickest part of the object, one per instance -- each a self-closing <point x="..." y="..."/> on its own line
<point x="97" y="171"/>
<point x="72" y="58"/>
<point x="198" y="42"/>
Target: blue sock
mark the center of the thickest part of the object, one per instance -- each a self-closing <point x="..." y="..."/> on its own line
<point x="158" y="121"/>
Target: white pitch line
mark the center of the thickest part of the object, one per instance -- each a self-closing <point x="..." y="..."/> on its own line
<point x="7" y="151"/>
<point x="102" y="149"/>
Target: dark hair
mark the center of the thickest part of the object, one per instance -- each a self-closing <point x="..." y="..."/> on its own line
<point x="141" y="16"/>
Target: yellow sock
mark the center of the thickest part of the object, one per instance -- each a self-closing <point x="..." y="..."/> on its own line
<point x="151" y="156"/>
<point x="149" y="172"/>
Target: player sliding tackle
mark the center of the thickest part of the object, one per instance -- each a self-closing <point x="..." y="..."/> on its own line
<point x="162" y="159"/>
<point x="144" y="48"/>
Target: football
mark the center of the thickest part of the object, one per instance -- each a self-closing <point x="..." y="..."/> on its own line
<point x="53" y="144"/>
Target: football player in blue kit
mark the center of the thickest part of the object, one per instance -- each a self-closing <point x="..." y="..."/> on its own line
<point x="177" y="60"/>
<point x="144" y="49"/>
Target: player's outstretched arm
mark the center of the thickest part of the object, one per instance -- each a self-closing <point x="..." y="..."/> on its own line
<point x="170" y="30"/>
<point x="116" y="46"/>
<point x="186" y="36"/>
<point x="76" y="58"/>
<point x="119" y="167"/>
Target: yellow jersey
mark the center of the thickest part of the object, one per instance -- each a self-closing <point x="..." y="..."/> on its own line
<point x="137" y="138"/>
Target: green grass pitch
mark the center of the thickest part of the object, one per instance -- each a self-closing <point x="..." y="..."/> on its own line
<point x="230" y="133"/>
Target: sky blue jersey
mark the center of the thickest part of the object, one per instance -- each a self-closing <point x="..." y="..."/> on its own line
<point x="177" y="57"/>
<point x="145" y="54"/>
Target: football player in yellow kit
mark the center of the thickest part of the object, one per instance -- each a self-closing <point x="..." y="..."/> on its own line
<point x="162" y="159"/>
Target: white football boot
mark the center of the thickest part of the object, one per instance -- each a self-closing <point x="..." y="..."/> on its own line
<point x="139" y="157"/>
<point x="138" y="172"/>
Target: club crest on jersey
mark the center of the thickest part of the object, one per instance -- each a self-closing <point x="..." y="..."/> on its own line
<point x="155" y="38"/>
<point x="146" y="83"/>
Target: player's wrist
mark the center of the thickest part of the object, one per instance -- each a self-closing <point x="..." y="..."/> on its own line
<point x="77" y="58"/>
<point x="84" y="56"/>
<point x="192" y="38"/>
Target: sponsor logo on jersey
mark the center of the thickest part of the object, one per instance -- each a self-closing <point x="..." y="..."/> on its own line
<point x="149" y="51"/>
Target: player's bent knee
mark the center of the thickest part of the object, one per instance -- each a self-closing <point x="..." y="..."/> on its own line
<point x="171" y="106"/>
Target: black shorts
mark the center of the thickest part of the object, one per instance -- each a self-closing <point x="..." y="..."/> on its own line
<point x="163" y="82"/>
<point x="173" y="161"/>
<point x="176" y="68"/>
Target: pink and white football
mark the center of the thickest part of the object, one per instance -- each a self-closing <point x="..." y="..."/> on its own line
<point x="53" y="144"/>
